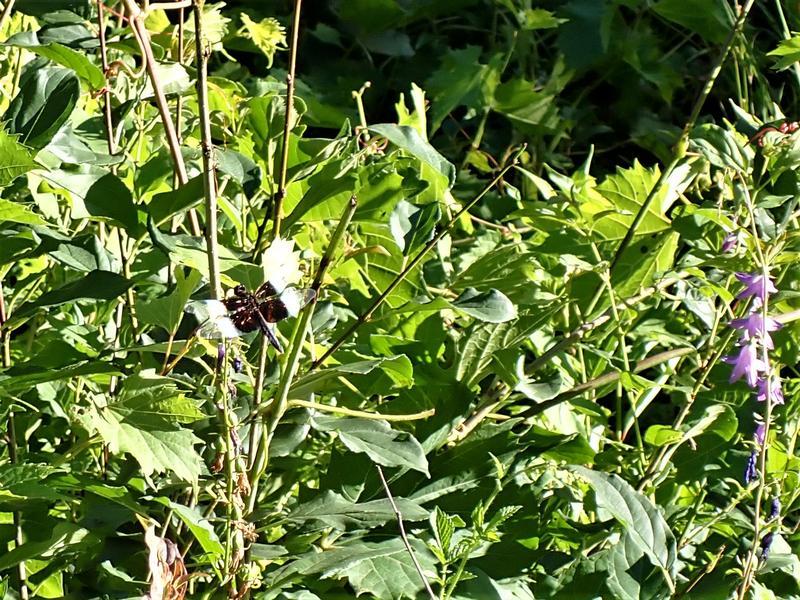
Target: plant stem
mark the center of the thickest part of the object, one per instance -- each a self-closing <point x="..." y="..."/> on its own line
<point x="287" y="123"/>
<point x="209" y="166"/>
<point x="281" y="403"/>
<point x="364" y="317"/>
<point x="6" y="12"/>
<point x="680" y="149"/>
<point x="403" y="535"/>
<point x="143" y="38"/>
<point x="361" y="413"/>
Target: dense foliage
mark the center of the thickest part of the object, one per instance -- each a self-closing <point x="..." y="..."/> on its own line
<point x="550" y="337"/>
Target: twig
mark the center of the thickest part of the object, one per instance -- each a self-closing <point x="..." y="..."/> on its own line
<point x="361" y="413"/>
<point x="278" y="407"/>
<point x="365" y="316"/>
<point x="12" y="441"/>
<point x="143" y="38"/>
<point x="6" y="12"/>
<point x="209" y="166"/>
<point x="680" y="149"/>
<point x="287" y="123"/>
<point x="403" y="535"/>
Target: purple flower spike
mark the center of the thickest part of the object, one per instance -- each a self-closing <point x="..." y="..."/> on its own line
<point x="746" y="364"/>
<point x="756" y="285"/>
<point x="766" y="544"/>
<point x="760" y="433"/>
<point x="730" y="242"/>
<point x="774" y="388"/>
<point x="755" y="325"/>
<point x="775" y="511"/>
<point x="750" y="471"/>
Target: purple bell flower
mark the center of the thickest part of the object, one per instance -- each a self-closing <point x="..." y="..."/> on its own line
<point x="766" y="544"/>
<point x="746" y="364"/>
<point x="237" y="365"/>
<point x="756" y="326"/>
<point x="760" y="433"/>
<point x="220" y="353"/>
<point x="771" y="385"/>
<point x="775" y="509"/>
<point x="730" y="242"/>
<point x="756" y="286"/>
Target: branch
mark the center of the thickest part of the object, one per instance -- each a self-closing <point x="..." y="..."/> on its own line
<point x="209" y="166"/>
<point x="361" y="413"/>
<point x="143" y="38"/>
<point x="403" y="535"/>
<point x="363" y="318"/>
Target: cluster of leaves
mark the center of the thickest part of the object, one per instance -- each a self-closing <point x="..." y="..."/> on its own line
<point x="537" y="389"/>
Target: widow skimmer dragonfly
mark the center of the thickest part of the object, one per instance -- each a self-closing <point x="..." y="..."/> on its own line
<point x="248" y="311"/>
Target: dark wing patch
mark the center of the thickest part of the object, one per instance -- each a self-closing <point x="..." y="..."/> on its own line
<point x="273" y="310"/>
<point x="235" y="303"/>
<point x="245" y="320"/>
<point x="266" y="290"/>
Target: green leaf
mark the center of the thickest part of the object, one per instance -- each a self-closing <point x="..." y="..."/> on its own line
<point x="397" y="368"/>
<point x="63" y="537"/>
<point x="413" y="226"/>
<point x="42" y="105"/>
<point x="661" y="435"/>
<point x="787" y="53"/>
<point x="167" y="204"/>
<point x="519" y="101"/>
<point x="15" y="160"/>
<point x="642" y="520"/>
<point x="622" y="196"/>
<point x="721" y="147"/>
<point x="377" y="440"/>
<point x="62" y="55"/>
<point x="13" y="212"/>
<point x="108" y="199"/>
<point x="383" y="570"/>
<point x="267" y="34"/>
<point x="408" y="139"/>
<point x="96" y="285"/>
<point x="201" y="529"/>
<point x="711" y="19"/>
<point x="491" y="306"/>
<point x="152" y="441"/>
<point x="333" y="510"/>
<point x="167" y="312"/>
<point x="150" y="398"/>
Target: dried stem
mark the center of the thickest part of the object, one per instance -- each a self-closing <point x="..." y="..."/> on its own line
<point x="209" y="174"/>
<point x="364" y="317"/>
<point x="143" y="38"/>
<point x="6" y="12"/>
<point x="403" y="535"/>
<point x="287" y="123"/>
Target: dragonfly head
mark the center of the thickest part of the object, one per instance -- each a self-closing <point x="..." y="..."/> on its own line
<point x="240" y="291"/>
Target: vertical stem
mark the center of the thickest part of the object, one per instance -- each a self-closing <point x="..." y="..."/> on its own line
<point x="287" y="124"/>
<point x="209" y="177"/>
<point x="680" y="149"/>
<point x="143" y="37"/>
<point x="6" y="12"/>
<point x="11" y="440"/>
<point x="272" y="419"/>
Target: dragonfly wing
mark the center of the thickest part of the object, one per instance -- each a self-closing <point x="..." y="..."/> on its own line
<point x="294" y="299"/>
<point x="218" y="328"/>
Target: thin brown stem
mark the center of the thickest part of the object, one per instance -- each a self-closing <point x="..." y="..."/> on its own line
<point x="143" y="38"/>
<point x="403" y="535"/>
<point x="365" y="316"/>
<point x="6" y="12"/>
<point x="287" y="123"/>
<point x="209" y="166"/>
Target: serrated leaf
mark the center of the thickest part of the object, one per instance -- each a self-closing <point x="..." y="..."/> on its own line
<point x="787" y="53"/>
<point x="167" y="312"/>
<point x="267" y="34"/>
<point x="15" y="160"/>
<point x="377" y="440"/>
